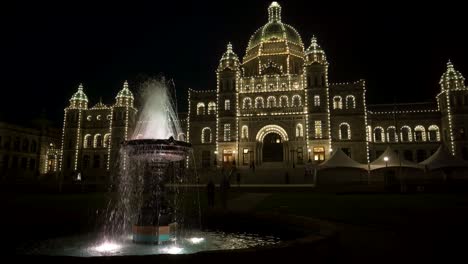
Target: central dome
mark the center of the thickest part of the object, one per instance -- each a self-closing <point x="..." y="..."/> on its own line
<point x="274" y="43"/>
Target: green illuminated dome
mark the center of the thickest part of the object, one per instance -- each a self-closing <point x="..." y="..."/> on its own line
<point x="229" y="59"/>
<point x="452" y="79"/>
<point x="79" y="99"/>
<point x="275" y="43"/>
<point x="125" y="96"/>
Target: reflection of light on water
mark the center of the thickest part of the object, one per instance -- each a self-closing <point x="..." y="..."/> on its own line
<point x="196" y="240"/>
<point x="173" y="250"/>
<point x="107" y="247"/>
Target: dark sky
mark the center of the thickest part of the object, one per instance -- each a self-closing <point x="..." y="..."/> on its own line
<point x="48" y="49"/>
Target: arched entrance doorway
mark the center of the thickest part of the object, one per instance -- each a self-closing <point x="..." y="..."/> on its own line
<point x="272" y="148"/>
<point x="272" y="144"/>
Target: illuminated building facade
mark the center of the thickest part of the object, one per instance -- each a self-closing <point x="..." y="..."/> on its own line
<point x="278" y="106"/>
<point x="275" y="108"/>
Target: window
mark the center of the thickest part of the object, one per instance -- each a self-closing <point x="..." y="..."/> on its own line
<point x="33" y="146"/>
<point x="16" y="144"/>
<point x="247" y="88"/>
<point x="461" y="133"/>
<point x="24" y="163"/>
<point x="319" y="153"/>
<point x="246" y="156"/>
<point x="391" y="134"/>
<point x="206" y="135"/>
<point x="247" y="103"/>
<point x="283" y="102"/>
<point x="300" y="156"/>
<point x="206" y="159"/>
<point x="283" y="86"/>
<point x="350" y="102"/>
<point x="32" y="164"/>
<point x="337" y="102"/>
<point x="98" y="141"/>
<point x="245" y="132"/>
<point x="379" y="135"/>
<point x="434" y="133"/>
<point x="318" y="129"/>
<point x="200" y="108"/>
<point x="25" y="147"/>
<point x="299" y="130"/>
<point x="85" y="161"/>
<point x="296" y="100"/>
<point x="271" y="101"/>
<point x="419" y="134"/>
<point x="271" y="87"/>
<point x="88" y="141"/>
<point x="406" y="135"/>
<point x="227" y="105"/>
<point x="227" y="132"/>
<point x="345" y="131"/>
<point x="97" y="161"/>
<point x="316" y="100"/>
<point x="211" y="108"/>
<point x="107" y="138"/>
<point x="259" y="102"/>
<point x="259" y="87"/>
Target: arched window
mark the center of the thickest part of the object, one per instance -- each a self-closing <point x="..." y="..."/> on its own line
<point x="98" y="141"/>
<point x="211" y="108"/>
<point x="200" y="108"/>
<point x="350" y="102"/>
<point x="345" y="131"/>
<point x="406" y="135"/>
<point x="299" y="130"/>
<point x="107" y="138"/>
<point x="379" y="134"/>
<point x="296" y="100"/>
<point x="33" y="146"/>
<point x="271" y="101"/>
<point x="391" y="134"/>
<point x="337" y="102"/>
<point x="181" y="137"/>
<point x="97" y="161"/>
<point x="25" y="147"/>
<point x="434" y="133"/>
<point x="247" y="103"/>
<point x="283" y="101"/>
<point x="245" y="132"/>
<point x="206" y="135"/>
<point x="88" y="141"/>
<point x="259" y="102"/>
<point x="419" y="134"/>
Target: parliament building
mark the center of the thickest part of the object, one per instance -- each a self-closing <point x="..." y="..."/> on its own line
<point x="275" y="107"/>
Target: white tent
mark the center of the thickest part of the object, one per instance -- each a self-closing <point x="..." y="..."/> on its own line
<point x="340" y="160"/>
<point x="443" y="159"/>
<point x="393" y="160"/>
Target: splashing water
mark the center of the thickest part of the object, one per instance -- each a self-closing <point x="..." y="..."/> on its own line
<point x="158" y="118"/>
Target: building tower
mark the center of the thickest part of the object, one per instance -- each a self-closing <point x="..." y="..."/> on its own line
<point x="226" y="107"/>
<point x="453" y="104"/>
<point x="72" y="133"/>
<point x="318" y="109"/>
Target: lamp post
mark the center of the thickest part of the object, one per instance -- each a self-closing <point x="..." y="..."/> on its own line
<point x="234" y="161"/>
<point x="386" y="161"/>
<point x="308" y="152"/>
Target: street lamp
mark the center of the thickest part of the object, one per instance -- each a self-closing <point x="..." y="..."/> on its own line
<point x="386" y="161"/>
<point x="216" y="158"/>
<point x="309" y="151"/>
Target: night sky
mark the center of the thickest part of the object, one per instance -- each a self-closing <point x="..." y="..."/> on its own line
<point x="48" y="49"/>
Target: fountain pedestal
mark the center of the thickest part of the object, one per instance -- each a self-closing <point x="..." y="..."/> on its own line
<point x="156" y="221"/>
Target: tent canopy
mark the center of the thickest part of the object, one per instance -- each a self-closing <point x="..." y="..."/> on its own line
<point x="393" y="160"/>
<point x="443" y="159"/>
<point x="340" y="160"/>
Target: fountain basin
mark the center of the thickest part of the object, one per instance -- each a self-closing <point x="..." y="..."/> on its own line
<point x="161" y="150"/>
